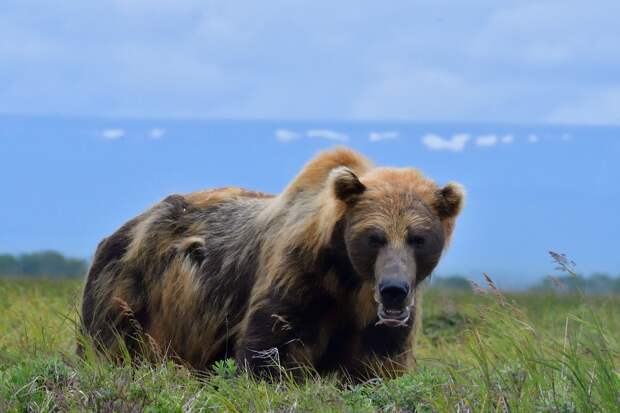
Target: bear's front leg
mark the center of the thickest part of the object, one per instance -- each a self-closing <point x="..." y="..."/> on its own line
<point x="271" y="345"/>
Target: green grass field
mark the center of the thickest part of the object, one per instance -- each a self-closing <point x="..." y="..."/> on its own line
<point x="476" y="353"/>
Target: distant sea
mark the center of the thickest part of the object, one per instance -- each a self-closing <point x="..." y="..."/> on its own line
<point x="68" y="182"/>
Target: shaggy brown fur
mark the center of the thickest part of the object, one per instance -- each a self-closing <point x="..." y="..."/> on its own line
<point x="290" y="279"/>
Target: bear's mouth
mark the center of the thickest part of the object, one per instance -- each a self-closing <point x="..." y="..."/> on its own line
<point x="393" y="317"/>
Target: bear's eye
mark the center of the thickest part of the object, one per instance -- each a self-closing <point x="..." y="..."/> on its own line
<point x="376" y="240"/>
<point x="416" y="241"/>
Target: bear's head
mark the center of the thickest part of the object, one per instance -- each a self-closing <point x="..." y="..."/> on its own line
<point x="397" y="223"/>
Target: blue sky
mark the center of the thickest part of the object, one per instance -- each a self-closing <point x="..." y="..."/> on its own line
<point x="537" y="61"/>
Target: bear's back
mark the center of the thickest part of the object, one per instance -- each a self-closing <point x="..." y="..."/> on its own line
<point x="210" y="197"/>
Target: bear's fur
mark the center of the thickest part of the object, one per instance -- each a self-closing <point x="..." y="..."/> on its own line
<point x="268" y="280"/>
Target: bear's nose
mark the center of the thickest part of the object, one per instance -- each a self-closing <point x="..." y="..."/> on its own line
<point x="393" y="292"/>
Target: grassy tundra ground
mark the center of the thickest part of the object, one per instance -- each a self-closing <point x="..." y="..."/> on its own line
<point x="477" y="353"/>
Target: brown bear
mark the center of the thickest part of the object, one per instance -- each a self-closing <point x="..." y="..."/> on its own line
<point x="323" y="276"/>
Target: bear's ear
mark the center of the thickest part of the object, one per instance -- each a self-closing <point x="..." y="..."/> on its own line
<point x="450" y="200"/>
<point x="346" y="184"/>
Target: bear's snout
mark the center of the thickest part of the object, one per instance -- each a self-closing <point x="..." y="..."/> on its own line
<point x="393" y="293"/>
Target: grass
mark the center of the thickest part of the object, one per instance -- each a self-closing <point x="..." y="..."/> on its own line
<point x="477" y="353"/>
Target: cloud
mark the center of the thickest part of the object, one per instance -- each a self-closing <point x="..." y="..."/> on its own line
<point x="113" y="134"/>
<point x="157" y="133"/>
<point x="532" y="138"/>
<point x="508" y="139"/>
<point x="403" y="91"/>
<point x="437" y="143"/>
<point x="590" y="107"/>
<point x="382" y="136"/>
<point x="486" y="140"/>
<point x="542" y="34"/>
<point x="327" y="134"/>
<point x="519" y="49"/>
<point x="285" y="135"/>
